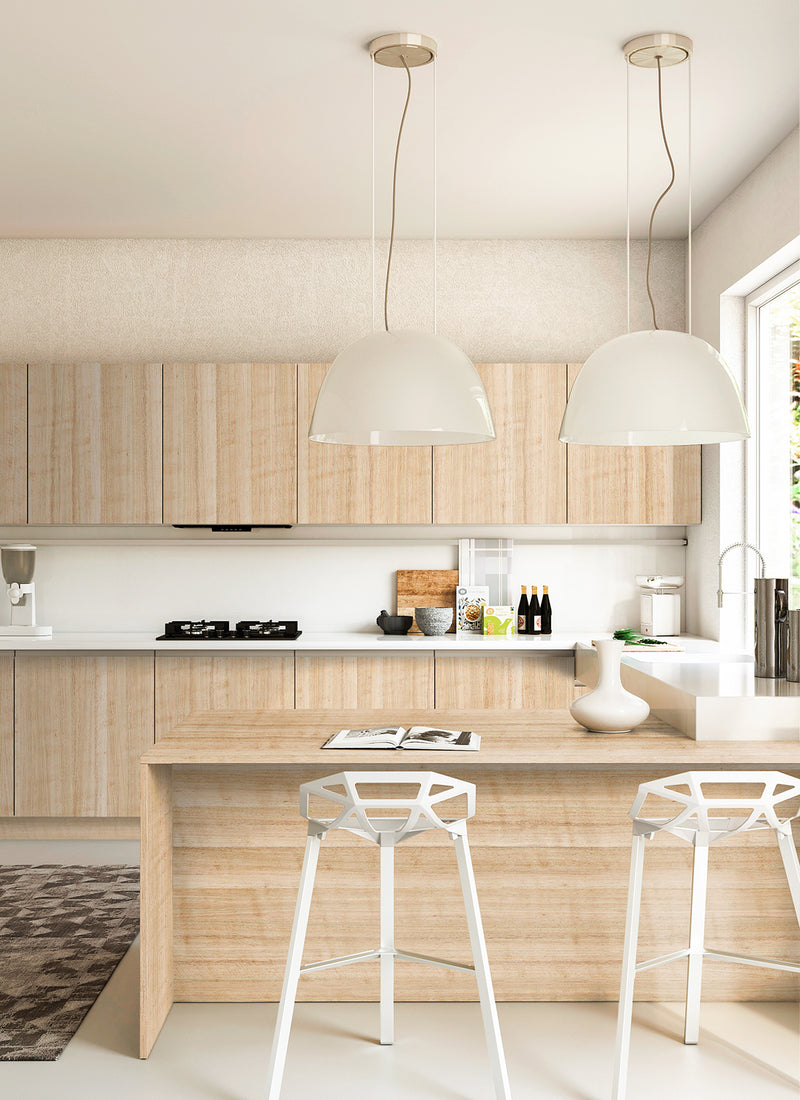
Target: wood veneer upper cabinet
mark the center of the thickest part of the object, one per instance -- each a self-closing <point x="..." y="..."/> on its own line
<point x="13" y="443"/>
<point x="6" y="734"/>
<point x="344" y="484"/>
<point x="521" y="476"/>
<point x="82" y="722"/>
<point x="632" y="484"/>
<point x="230" y="432"/>
<point x="94" y="443"/>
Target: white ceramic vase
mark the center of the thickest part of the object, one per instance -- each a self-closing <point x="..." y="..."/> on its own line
<point x="609" y="708"/>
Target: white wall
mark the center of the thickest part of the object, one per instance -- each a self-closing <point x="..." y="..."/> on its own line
<point x="212" y="300"/>
<point x="756" y="222"/>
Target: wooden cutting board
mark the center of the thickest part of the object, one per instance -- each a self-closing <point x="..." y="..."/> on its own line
<point x="426" y="588"/>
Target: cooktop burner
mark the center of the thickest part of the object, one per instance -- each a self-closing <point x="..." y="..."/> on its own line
<point x="213" y="630"/>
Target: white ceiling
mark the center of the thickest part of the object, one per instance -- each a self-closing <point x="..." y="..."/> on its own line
<point x="250" y="118"/>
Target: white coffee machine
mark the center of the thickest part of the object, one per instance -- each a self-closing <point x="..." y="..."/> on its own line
<point x="18" y="563"/>
<point x="660" y="606"/>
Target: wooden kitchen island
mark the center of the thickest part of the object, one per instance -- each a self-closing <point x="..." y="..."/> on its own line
<point x="222" y="845"/>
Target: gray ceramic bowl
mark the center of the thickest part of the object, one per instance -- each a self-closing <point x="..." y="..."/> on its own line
<point x="434" y="620"/>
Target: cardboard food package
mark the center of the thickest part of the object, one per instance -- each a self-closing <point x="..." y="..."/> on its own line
<point x="498" y="620"/>
<point x="470" y="602"/>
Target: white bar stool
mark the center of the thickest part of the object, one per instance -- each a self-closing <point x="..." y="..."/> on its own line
<point x="417" y="813"/>
<point x="693" y="824"/>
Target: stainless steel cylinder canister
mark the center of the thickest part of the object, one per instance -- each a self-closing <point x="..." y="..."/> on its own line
<point x="793" y="647"/>
<point x="771" y="610"/>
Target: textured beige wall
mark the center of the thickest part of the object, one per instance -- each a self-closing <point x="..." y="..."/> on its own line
<point x="275" y="300"/>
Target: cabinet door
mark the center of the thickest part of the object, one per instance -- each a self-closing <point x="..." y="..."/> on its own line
<point x="186" y="683"/>
<point x="6" y="734"/>
<point x="94" y="443"/>
<point x="82" y="723"/>
<point x="13" y="443"/>
<point x="516" y="681"/>
<point x="230" y="439"/>
<point x="341" y="681"/>
<point x="521" y="476"/>
<point x="632" y="484"/>
<point x="344" y="484"/>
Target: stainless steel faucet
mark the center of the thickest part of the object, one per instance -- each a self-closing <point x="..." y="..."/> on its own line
<point x="745" y="546"/>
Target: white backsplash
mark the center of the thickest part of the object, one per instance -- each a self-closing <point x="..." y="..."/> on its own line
<point x="137" y="587"/>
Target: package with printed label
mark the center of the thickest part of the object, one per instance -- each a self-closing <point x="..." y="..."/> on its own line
<point x="470" y="602"/>
<point x="498" y="620"/>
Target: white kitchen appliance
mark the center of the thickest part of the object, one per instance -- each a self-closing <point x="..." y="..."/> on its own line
<point x="18" y="563"/>
<point x="660" y="606"/>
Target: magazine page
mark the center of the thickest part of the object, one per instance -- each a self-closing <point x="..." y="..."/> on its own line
<point x="379" y="737"/>
<point x="429" y="737"/>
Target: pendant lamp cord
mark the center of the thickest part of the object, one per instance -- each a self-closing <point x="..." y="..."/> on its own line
<point x="666" y="190"/>
<point x="394" y="199"/>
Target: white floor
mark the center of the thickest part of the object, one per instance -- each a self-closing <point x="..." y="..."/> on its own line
<point x="554" y="1051"/>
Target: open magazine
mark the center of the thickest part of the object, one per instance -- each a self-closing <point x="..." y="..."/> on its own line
<point x="396" y="737"/>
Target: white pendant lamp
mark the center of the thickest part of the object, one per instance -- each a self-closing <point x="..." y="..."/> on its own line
<point x="401" y="388"/>
<point x="658" y="387"/>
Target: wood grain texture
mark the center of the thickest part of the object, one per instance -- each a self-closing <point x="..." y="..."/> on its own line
<point x="343" y="484"/>
<point x="230" y="438"/>
<point x="82" y="722"/>
<point x="517" y="681"/>
<point x="338" y="681"/>
<point x="551" y="852"/>
<point x="191" y="682"/>
<point x="520" y="477"/>
<point x="632" y="484"/>
<point x="14" y="443"/>
<point x="94" y="443"/>
<point x="6" y="734"/>
<point x="69" y="828"/>
<point x="517" y="738"/>
<point x="156" y="965"/>
<point x="426" y="588"/>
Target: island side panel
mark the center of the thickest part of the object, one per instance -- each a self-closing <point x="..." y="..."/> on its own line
<point x="551" y="850"/>
<point x="156" y="965"/>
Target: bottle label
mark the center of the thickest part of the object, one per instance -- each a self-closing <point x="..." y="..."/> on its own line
<point x="537" y="622"/>
<point x="522" y="624"/>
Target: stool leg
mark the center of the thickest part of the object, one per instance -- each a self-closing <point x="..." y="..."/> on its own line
<point x="694" y="980"/>
<point x="283" y="1024"/>
<point x="791" y="865"/>
<point x="491" y="1024"/>
<point x="625" y="1013"/>
<point x="387" y="944"/>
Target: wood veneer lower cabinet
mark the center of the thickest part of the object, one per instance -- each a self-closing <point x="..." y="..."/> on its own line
<point x="517" y="681"/>
<point x="82" y="723"/>
<point x="328" y="681"/>
<point x="551" y="850"/>
<point x="6" y="734"/>
<point x="344" y="484"/>
<point x="14" y="443"/>
<point x="220" y="681"/>
<point x="632" y="484"/>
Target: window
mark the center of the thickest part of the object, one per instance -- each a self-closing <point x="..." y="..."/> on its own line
<point x="773" y="387"/>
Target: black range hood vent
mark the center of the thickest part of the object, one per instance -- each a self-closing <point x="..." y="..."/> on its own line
<point x="233" y="526"/>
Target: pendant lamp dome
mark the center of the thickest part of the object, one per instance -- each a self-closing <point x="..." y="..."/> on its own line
<point x="658" y="387"/>
<point x="401" y="388"/>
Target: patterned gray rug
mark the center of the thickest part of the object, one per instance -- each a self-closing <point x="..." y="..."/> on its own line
<point x="63" y="930"/>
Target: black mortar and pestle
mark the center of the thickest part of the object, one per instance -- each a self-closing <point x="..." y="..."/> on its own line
<point x="394" y="624"/>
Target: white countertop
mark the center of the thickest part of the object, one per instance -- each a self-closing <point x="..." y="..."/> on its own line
<point x="368" y="642"/>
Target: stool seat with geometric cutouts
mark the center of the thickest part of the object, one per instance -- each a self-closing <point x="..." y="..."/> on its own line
<point x="703" y="819"/>
<point x="364" y="814"/>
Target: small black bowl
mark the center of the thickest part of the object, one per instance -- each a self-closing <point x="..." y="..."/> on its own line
<point x="394" y="624"/>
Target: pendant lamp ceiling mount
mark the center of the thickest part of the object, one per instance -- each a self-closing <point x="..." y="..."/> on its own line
<point x="403" y="50"/>
<point x="647" y="50"/>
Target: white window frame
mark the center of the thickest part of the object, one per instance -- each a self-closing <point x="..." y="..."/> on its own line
<point x="754" y="382"/>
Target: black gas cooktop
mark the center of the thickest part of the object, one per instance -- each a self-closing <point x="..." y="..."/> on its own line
<point x="216" y="630"/>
